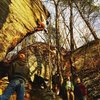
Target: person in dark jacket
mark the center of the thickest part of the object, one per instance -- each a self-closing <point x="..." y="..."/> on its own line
<point x="56" y="83"/>
<point x="80" y="90"/>
<point x="18" y="74"/>
<point x="39" y="81"/>
<point x="63" y="91"/>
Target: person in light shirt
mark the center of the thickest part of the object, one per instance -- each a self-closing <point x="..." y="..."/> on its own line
<point x="70" y="89"/>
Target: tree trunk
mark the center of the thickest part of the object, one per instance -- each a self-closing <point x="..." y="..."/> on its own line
<point x="57" y="35"/>
<point x="71" y="26"/>
<point x="87" y="23"/>
<point x="71" y="36"/>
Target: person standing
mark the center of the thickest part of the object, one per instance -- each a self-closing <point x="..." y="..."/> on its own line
<point x="56" y="83"/>
<point x="18" y="74"/>
<point x="69" y="89"/>
<point x="80" y="90"/>
<point x="39" y="81"/>
<point x="63" y="91"/>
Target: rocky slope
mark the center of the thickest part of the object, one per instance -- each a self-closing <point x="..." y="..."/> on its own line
<point x="87" y="62"/>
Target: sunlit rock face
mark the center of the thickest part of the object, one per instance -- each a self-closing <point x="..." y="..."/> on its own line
<point x="17" y="19"/>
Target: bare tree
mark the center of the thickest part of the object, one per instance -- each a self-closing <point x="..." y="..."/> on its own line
<point x="56" y="4"/>
<point x="71" y="26"/>
<point x="87" y="22"/>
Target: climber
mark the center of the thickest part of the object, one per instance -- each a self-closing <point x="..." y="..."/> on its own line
<point x="41" y="26"/>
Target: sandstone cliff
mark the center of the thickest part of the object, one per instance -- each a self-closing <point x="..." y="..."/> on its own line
<point x="18" y="19"/>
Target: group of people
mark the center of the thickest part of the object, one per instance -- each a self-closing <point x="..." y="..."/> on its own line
<point x="18" y="75"/>
<point x="70" y="90"/>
